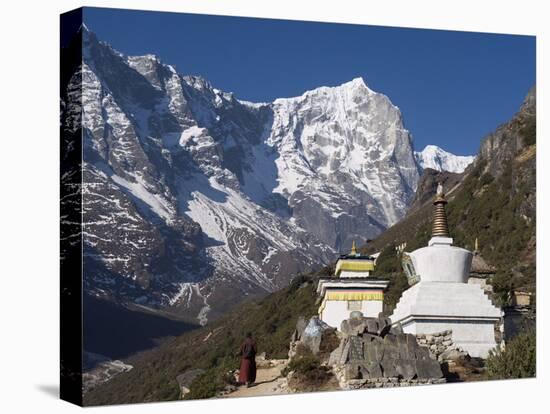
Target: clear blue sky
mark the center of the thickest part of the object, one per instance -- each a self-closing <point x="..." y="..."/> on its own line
<point x="452" y="87"/>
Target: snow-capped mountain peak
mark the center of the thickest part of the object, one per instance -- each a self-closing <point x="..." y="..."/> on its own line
<point x="438" y="159"/>
<point x="194" y="199"/>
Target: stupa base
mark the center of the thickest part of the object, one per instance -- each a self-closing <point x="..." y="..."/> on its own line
<point x="432" y="307"/>
<point x="476" y="337"/>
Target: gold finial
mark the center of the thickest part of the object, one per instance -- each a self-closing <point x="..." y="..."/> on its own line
<point x="440" y="226"/>
<point x="353" y="248"/>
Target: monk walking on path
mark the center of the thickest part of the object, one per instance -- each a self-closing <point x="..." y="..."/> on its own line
<point x="247" y="372"/>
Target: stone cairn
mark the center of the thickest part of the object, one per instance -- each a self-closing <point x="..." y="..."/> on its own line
<point x="370" y="354"/>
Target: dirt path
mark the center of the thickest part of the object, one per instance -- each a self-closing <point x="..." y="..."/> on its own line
<point x="269" y="381"/>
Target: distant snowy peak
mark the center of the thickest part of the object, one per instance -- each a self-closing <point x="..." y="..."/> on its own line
<point x="438" y="159"/>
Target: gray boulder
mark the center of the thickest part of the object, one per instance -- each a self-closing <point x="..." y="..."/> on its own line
<point x="388" y="368"/>
<point x="372" y="326"/>
<point x="391" y="347"/>
<point x="375" y="370"/>
<point x="356" y="315"/>
<point x="406" y="368"/>
<point x="301" y="324"/>
<point x="319" y="337"/>
<point x="396" y="329"/>
<point x="390" y="340"/>
<point x="353" y="326"/>
<point x="355" y="349"/>
<point x="384" y="325"/>
<point x="407" y="346"/>
<point x="336" y="355"/>
<point x="422" y="352"/>
<point x="451" y="354"/>
<point x="368" y="338"/>
<point x="345" y="352"/>
<point x="311" y="336"/>
<point x="373" y="352"/>
<point x="353" y="371"/>
<point x="428" y="368"/>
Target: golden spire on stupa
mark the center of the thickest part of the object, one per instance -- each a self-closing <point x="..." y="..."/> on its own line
<point x="440" y="227"/>
<point x="353" y="248"/>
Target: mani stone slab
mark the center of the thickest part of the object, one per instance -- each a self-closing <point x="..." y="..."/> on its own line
<point x="428" y="368"/>
<point x="355" y="349"/>
<point x="406" y="368"/>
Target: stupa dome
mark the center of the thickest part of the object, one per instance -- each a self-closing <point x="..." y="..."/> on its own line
<point x="442" y="263"/>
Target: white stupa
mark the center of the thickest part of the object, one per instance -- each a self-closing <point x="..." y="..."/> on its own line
<point x="440" y="297"/>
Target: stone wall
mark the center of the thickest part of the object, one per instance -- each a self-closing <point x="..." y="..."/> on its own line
<point x="355" y="384"/>
<point x="441" y="345"/>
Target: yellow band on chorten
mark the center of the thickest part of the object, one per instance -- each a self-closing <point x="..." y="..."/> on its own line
<point x="354" y="266"/>
<point x="347" y="295"/>
<point x="372" y="295"/>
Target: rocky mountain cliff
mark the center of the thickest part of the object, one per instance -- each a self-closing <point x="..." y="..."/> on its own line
<point x="194" y="199"/>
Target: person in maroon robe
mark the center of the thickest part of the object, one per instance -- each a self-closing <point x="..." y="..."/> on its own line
<point x="247" y="372"/>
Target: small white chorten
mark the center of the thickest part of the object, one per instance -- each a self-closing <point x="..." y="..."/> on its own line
<point x="351" y="289"/>
<point x="440" y="297"/>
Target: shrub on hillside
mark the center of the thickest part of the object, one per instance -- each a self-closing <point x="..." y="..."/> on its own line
<point x="517" y="360"/>
<point x="529" y="131"/>
<point x="212" y="381"/>
<point x="303" y="365"/>
<point x="307" y="369"/>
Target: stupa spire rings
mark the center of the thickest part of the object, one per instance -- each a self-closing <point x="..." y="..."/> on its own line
<point x="440" y="227"/>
